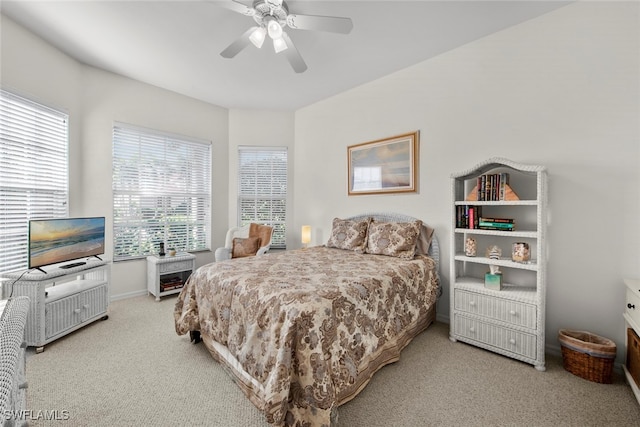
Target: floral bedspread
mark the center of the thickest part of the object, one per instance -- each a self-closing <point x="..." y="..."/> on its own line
<point x="310" y="327"/>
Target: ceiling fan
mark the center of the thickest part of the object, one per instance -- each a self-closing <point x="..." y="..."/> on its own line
<point x="272" y="17"/>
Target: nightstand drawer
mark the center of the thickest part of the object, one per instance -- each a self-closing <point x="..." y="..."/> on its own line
<point x="508" y="311"/>
<point x="632" y="305"/>
<point x="497" y="336"/>
<point x="171" y="267"/>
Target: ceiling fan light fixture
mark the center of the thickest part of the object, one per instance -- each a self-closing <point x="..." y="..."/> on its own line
<point x="258" y="36"/>
<point x="274" y="29"/>
<point x="279" y="45"/>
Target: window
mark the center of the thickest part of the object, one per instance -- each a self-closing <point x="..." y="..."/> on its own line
<point x="34" y="179"/>
<point x="161" y="192"/>
<point x="262" y="189"/>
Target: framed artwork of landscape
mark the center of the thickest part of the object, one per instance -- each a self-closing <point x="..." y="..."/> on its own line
<point x="387" y="165"/>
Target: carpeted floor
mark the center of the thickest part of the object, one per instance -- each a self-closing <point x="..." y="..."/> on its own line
<point x="133" y="370"/>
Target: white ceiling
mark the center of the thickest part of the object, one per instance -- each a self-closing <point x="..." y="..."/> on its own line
<point x="176" y="45"/>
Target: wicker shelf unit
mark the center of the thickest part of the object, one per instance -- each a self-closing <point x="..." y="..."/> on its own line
<point x="509" y="321"/>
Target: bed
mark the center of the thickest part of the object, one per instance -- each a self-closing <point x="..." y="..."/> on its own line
<point x="303" y="331"/>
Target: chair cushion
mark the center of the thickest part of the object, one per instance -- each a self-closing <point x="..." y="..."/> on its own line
<point x="245" y="246"/>
<point x="261" y="231"/>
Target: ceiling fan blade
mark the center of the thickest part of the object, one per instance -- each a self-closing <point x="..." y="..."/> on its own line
<point x="293" y="56"/>
<point x="236" y="6"/>
<point x="332" y="24"/>
<point x="234" y="48"/>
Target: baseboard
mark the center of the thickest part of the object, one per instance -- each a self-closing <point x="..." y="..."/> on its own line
<point x="442" y="318"/>
<point x="128" y="295"/>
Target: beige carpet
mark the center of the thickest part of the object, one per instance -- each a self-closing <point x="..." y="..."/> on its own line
<point x="133" y="370"/>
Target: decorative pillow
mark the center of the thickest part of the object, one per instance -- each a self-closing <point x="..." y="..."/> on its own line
<point x="350" y="235"/>
<point x="261" y="231"/>
<point x="424" y="240"/>
<point x="397" y="239"/>
<point x="243" y="247"/>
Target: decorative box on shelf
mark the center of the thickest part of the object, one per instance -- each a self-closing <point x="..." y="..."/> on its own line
<point x="493" y="281"/>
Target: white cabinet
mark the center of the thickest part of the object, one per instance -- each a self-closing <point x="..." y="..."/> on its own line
<point x="167" y="275"/>
<point x="509" y="320"/>
<point x="61" y="301"/>
<point x="632" y="344"/>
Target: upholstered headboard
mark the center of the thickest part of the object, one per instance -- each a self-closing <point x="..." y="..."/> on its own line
<point x="426" y="231"/>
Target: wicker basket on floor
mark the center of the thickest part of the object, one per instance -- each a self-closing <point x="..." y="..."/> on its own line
<point x="587" y="355"/>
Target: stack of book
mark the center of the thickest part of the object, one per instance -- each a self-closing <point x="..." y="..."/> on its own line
<point x="170" y="283"/>
<point x="468" y="216"/>
<point x="503" y="224"/>
<point x="492" y="186"/>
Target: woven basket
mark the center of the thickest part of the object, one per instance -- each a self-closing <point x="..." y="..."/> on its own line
<point x="587" y="355"/>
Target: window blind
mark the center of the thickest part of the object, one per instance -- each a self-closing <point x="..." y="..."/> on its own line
<point x="262" y="189"/>
<point x="161" y="192"/>
<point x="34" y="179"/>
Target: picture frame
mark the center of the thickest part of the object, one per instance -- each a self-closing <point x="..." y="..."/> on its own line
<point x="388" y="165"/>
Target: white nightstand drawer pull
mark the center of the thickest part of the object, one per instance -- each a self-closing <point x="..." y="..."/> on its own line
<point x="472" y="303"/>
<point x="77" y="310"/>
<point x="472" y="330"/>
<point x="512" y="312"/>
<point x="512" y="341"/>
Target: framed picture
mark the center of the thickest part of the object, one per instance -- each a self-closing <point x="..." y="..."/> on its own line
<point x="384" y="166"/>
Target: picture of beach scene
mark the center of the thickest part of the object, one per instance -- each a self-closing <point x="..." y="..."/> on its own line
<point x="383" y="166"/>
<point x="57" y="240"/>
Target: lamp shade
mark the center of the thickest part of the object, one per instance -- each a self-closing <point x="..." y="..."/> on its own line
<point x="279" y="45"/>
<point x="273" y="28"/>
<point x="306" y="234"/>
<point x="258" y="36"/>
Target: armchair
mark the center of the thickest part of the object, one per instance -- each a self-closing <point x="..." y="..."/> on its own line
<point x="264" y="232"/>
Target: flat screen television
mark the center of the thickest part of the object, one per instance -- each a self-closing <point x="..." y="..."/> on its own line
<point x="54" y="241"/>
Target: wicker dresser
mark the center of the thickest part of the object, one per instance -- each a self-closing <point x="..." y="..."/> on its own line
<point x="13" y="384"/>
<point x="632" y="342"/>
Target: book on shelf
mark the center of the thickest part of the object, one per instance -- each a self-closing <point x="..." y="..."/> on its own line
<point x="170" y="288"/>
<point x="497" y="220"/>
<point x="498" y="226"/>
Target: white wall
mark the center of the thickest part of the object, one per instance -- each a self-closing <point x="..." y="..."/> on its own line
<point x="561" y="90"/>
<point x="95" y="100"/>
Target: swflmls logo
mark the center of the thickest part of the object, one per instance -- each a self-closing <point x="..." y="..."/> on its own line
<point x="46" y="415"/>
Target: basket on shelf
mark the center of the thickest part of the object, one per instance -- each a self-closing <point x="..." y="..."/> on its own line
<point x="587" y="355"/>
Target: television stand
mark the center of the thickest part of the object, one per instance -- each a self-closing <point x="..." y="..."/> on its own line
<point x="62" y="300"/>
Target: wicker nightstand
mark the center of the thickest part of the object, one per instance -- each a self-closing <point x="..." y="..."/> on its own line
<point x="167" y="275"/>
